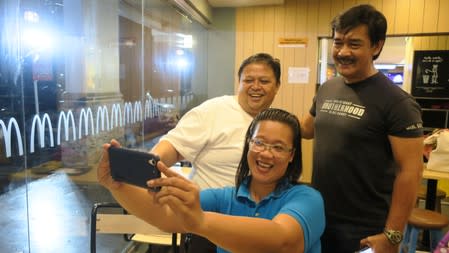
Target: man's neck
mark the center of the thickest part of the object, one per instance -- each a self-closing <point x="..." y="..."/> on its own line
<point x="371" y="73"/>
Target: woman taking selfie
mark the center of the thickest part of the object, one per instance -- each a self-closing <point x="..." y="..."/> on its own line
<point x="267" y="210"/>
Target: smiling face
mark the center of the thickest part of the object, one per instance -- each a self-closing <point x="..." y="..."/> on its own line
<point x="353" y="54"/>
<point x="257" y="89"/>
<point x="268" y="166"/>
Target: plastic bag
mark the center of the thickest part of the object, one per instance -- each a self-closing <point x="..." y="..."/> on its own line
<point x="442" y="246"/>
<point x="439" y="157"/>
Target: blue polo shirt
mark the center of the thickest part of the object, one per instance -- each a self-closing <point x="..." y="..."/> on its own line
<point x="301" y="202"/>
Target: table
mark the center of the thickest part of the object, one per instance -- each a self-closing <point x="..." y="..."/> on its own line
<point x="432" y="177"/>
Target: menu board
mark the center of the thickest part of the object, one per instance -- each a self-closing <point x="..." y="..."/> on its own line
<point x="430" y="76"/>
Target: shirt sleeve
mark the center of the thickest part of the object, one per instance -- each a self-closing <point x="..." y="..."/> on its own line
<point x="405" y="119"/>
<point x="192" y="125"/>
<point x="307" y="207"/>
<point x="213" y="199"/>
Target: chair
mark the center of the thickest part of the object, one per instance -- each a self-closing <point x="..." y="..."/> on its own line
<point x="422" y="191"/>
<point x="133" y="228"/>
<point x="423" y="219"/>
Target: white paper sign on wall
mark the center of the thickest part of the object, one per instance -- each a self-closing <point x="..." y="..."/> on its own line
<point x="298" y="75"/>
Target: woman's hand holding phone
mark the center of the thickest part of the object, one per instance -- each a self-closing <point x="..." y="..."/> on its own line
<point x="103" y="168"/>
<point x="133" y="167"/>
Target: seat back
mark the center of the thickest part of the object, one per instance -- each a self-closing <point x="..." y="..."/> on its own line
<point x="127" y="224"/>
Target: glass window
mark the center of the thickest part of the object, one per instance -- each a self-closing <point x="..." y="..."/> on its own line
<point x="73" y="75"/>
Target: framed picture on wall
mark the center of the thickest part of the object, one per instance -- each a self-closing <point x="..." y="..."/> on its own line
<point x="430" y="76"/>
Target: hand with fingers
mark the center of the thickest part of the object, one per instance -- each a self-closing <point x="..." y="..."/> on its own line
<point x="379" y="243"/>
<point x="181" y="195"/>
<point x="103" y="169"/>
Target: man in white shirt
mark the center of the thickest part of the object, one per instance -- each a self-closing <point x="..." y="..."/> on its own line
<point x="211" y="135"/>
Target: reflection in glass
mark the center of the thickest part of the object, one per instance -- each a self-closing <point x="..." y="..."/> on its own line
<point x="73" y="75"/>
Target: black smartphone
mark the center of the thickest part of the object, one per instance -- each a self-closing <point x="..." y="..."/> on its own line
<point x="133" y="167"/>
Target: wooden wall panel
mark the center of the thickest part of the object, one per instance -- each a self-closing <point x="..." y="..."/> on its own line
<point x="326" y="15"/>
<point x="299" y="55"/>
<point x="268" y="24"/>
<point x="288" y="54"/>
<point x="430" y="18"/>
<point x="418" y="42"/>
<point x="361" y="2"/>
<point x="441" y="43"/>
<point x="309" y="90"/>
<point x="239" y="38"/>
<point x="376" y="3"/>
<point x="349" y="3"/>
<point x="336" y="7"/>
<point x="416" y="11"/>
<point x="443" y="18"/>
<point x="432" y="42"/>
<point x="389" y="10"/>
<point x="279" y="28"/>
<point x="311" y="55"/>
<point x="310" y="19"/>
<point x="258" y="19"/>
<point x="402" y="16"/>
<point x="248" y="32"/>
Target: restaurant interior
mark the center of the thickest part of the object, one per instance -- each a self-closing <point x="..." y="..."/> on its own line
<point x="75" y="74"/>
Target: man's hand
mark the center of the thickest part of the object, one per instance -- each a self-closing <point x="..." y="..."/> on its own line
<point x="380" y="244"/>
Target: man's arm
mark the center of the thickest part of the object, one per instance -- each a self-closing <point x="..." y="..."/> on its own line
<point x="251" y="234"/>
<point x="407" y="153"/>
<point x="167" y="152"/>
<point x="307" y="126"/>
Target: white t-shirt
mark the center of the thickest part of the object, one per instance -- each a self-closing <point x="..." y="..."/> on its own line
<point x="211" y="136"/>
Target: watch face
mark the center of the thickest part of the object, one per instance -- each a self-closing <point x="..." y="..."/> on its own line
<point x="395" y="237"/>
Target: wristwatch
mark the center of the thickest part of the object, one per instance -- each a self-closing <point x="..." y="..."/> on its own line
<point x="394" y="236"/>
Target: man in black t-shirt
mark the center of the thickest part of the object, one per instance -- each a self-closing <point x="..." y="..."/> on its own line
<point x="367" y="141"/>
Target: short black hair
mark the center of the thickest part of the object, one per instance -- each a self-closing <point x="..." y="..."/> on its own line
<point x="264" y="58"/>
<point x="294" y="168"/>
<point x="363" y="14"/>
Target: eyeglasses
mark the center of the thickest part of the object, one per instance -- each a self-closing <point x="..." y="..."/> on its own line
<point x="279" y="150"/>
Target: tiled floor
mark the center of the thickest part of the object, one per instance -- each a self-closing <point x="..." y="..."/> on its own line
<point x="58" y="218"/>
